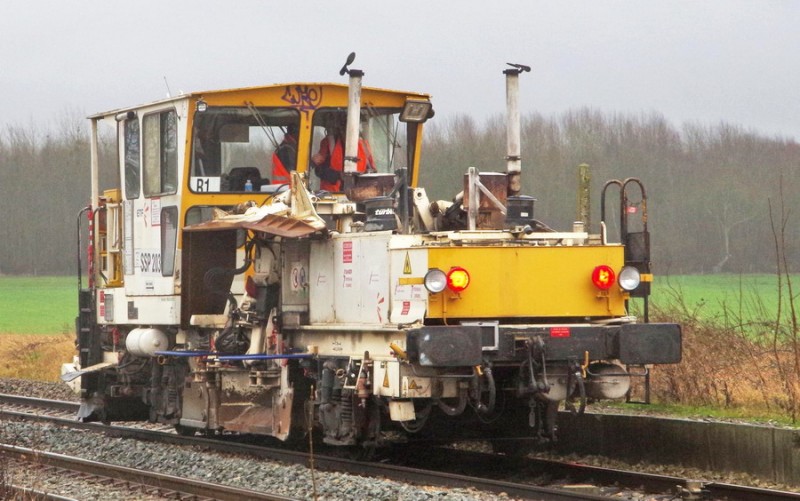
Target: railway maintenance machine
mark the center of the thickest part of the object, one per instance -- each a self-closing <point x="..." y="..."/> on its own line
<point x="269" y="264"/>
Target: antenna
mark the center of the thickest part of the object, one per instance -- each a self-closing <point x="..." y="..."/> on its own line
<point x="169" y="92"/>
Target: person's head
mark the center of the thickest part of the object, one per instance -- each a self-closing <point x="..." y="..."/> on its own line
<point x="336" y="124"/>
<point x="292" y="130"/>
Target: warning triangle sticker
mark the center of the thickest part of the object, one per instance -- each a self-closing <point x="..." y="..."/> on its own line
<point x="407" y="265"/>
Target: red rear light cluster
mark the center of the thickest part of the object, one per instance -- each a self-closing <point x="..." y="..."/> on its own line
<point x="250" y="287"/>
<point x="603" y="277"/>
<point x="457" y="279"/>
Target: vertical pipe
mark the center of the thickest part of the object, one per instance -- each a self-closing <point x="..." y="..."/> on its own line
<point x="95" y="194"/>
<point x="513" y="129"/>
<point x="474" y="199"/>
<point x="94" y="203"/>
<point x="353" y="122"/>
<point x="513" y="161"/>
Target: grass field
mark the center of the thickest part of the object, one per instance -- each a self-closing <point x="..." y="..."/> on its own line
<point x="751" y="298"/>
<point x="38" y="305"/>
<point x="48" y="305"/>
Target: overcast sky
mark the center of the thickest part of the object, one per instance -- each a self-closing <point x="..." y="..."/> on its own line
<point x="698" y="61"/>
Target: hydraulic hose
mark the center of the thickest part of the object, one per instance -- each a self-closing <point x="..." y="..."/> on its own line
<point x="419" y="422"/>
<point x="480" y="407"/>
<point x="458" y="408"/>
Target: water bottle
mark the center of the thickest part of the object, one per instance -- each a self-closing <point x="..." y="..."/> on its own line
<point x="248" y="186"/>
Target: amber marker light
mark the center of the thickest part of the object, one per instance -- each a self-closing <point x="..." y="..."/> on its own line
<point x="457" y="279"/>
<point x="603" y="277"/>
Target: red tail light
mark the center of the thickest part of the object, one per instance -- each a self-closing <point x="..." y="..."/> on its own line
<point x="250" y="287"/>
<point x="457" y="279"/>
<point x="603" y="277"/>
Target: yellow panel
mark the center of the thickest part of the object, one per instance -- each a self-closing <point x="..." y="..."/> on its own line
<point x="527" y="282"/>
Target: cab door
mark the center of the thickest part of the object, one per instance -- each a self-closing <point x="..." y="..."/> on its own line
<point x="152" y="160"/>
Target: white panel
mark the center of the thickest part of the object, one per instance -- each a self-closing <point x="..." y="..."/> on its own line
<point x="350" y="280"/>
<point x="372" y="266"/>
<point x="346" y="280"/>
<point x="409" y="300"/>
<point x="416" y="387"/>
<point x="321" y="282"/>
<point x="361" y="283"/>
<point x="402" y="410"/>
<point x="147" y="310"/>
<point x="386" y="378"/>
<point x="147" y="279"/>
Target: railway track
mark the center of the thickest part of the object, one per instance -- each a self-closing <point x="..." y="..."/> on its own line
<point x="581" y="474"/>
<point x="145" y="482"/>
<point x="453" y="468"/>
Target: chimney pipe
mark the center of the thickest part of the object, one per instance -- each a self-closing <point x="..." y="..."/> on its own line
<point x="513" y="134"/>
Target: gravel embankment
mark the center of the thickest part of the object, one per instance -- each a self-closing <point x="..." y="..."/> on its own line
<point x="38" y="389"/>
<point x="294" y="479"/>
<point x="257" y="474"/>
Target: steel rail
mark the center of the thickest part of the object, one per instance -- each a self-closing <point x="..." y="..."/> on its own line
<point x="173" y="484"/>
<point x="41" y="403"/>
<point x="460" y="460"/>
<point x="326" y="463"/>
<point x="582" y="473"/>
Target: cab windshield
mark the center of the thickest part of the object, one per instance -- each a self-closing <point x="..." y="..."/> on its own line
<point x="240" y="149"/>
<point x="383" y="144"/>
<point x="234" y="149"/>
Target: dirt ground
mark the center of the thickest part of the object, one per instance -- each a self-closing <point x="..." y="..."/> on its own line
<point x="35" y="356"/>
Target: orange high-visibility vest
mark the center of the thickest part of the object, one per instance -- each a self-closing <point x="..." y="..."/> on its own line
<point x="280" y="172"/>
<point x="335" y="159"/>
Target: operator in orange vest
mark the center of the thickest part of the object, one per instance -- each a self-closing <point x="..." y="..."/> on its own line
<point x="284" y="158"/>
<point x="328" y="162"/>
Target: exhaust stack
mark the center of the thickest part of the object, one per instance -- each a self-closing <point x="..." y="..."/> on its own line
<point x="353" y="117"/>
<point x="513" y="134"/>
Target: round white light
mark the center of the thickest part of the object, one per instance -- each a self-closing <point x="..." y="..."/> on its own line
<point x="629" y="278"/>
<point x="435" y="280"/>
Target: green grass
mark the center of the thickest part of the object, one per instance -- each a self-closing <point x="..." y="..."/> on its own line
<point x="699" y="412"/>
<point x="48" y="305"/>
<point x="753" y="298"/>
<point x="38" y="305"/>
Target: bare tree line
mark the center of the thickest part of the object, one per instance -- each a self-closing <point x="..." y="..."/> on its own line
<point x="44" y="183"/>
<point x="709" y="186"/>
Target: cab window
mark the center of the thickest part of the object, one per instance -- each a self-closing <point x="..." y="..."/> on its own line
<point x="231" y="146"/>
<point x="169" y="231"/>
<point x="384" y="140"/>
<point x="132" y="162"/>
<point x="160" y="131"/>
